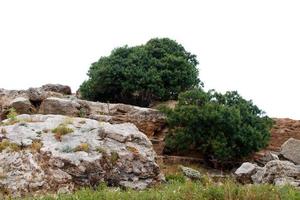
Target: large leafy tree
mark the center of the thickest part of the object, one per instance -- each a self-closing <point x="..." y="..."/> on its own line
<point x="222" y="127"/>
<point x="140" y="75"/>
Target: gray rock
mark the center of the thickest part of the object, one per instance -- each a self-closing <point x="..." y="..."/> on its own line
<point x="291" y="150"/>
<point x="245" y="171"/>
<point x="267" y="158"/>
<point x="275" y="172"/>
<point x="93" y="152"/>
<point x="191" y="173"/>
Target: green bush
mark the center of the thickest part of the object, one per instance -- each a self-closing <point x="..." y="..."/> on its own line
<point x="140" y="75"/>
<point x="220" y="127"/>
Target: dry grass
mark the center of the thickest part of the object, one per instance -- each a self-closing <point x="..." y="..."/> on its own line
<point x="36" y="146"/>
<point x="61" y="130"/>
<point x="82" y="147"/>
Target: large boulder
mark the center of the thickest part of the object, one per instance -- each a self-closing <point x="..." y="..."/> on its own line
<point x="291" y="150"/>
<point x="63" y="89"/>
<point x="245" y="171"/>
<point x="22" y="105"/>
<point x="51" y="153"/>
<point x="53" y="105"/>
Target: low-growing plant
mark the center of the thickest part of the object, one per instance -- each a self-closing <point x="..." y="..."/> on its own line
<point x="82" y="147"/>
<point x="133" y="150"/>
<point x="12" y="114"/>
<point x="114" y="156"/>
<point x="36" y="146"/>
<point x="82" y="113"/>
<point x="67" y="149"/>
<point x="101" y="150"/>
<point x="6" y="144"/>
<point x="175" y="177"/>
<point x="61" y="130"/>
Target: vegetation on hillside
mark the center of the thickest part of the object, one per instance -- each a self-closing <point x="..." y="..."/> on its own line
<point x="185" y="190"/>
<point x="221" y="127"/>
<point x="140" y="75"/>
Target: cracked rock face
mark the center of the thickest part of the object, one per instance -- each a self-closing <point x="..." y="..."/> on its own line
<point x="51" y="153"/>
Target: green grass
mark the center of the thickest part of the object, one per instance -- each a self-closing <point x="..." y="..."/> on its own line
<point x="186" y="190"/>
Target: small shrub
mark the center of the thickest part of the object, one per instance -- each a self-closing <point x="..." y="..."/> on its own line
<point x="67" y="149"/>
<point x="36" y="146"/>
<point x="101" y="150"/>
<point x="61" y="130"/>
<point x="5" y="144"/>
<point x="114" y="157"/>
<point x="82" y="113"/>
<point x="82" y="147"/>
<point x="223" y="128"/>
<point x="12" y="114"/>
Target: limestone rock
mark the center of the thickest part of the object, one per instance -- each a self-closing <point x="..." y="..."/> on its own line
<point x="22" y="105"/>
<point x="63" y="89"/>
<point x="275" y="172"/>
<point x="291" y="150"/>
<point x="53" y="105"/>
<point x="51" y="99"/>
<point x="245" y="171"/>
<point x="36" y="94"/>
<point x="191" y="173"/>
<point x="91" y="153"/>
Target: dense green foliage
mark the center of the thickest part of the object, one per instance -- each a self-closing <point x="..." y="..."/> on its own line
<point x="156" y="71"/>
<point x="221" y="127"/>
<point x="177" y="190"/>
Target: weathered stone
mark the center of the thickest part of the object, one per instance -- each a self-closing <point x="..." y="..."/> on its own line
<point x="191" y="173"/>
<point x="53" y="105"/>
<point x="36" y="94"/>
<point x="48" y="101"/>
<point x="22" y="105"/>
<point x="275" y="172"/>
<point x="245" y="171"/>
<point x="291" y="150"/>
<point x="63" y="89"/>
<point x="280" y="169"/>
<point x="266" y="157"/>
<point x="93" y="152"/>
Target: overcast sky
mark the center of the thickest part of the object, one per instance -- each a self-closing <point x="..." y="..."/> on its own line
<point x="249" y="46"/>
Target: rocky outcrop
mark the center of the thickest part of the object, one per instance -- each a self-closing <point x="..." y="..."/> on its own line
<point x="52" y="99"/>
<point x="291" y="150"/>
<point x="277" y="172"/>
<point x="53" y="153"/>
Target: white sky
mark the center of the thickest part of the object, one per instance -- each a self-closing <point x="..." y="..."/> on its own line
<point x="249" y="46"/>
